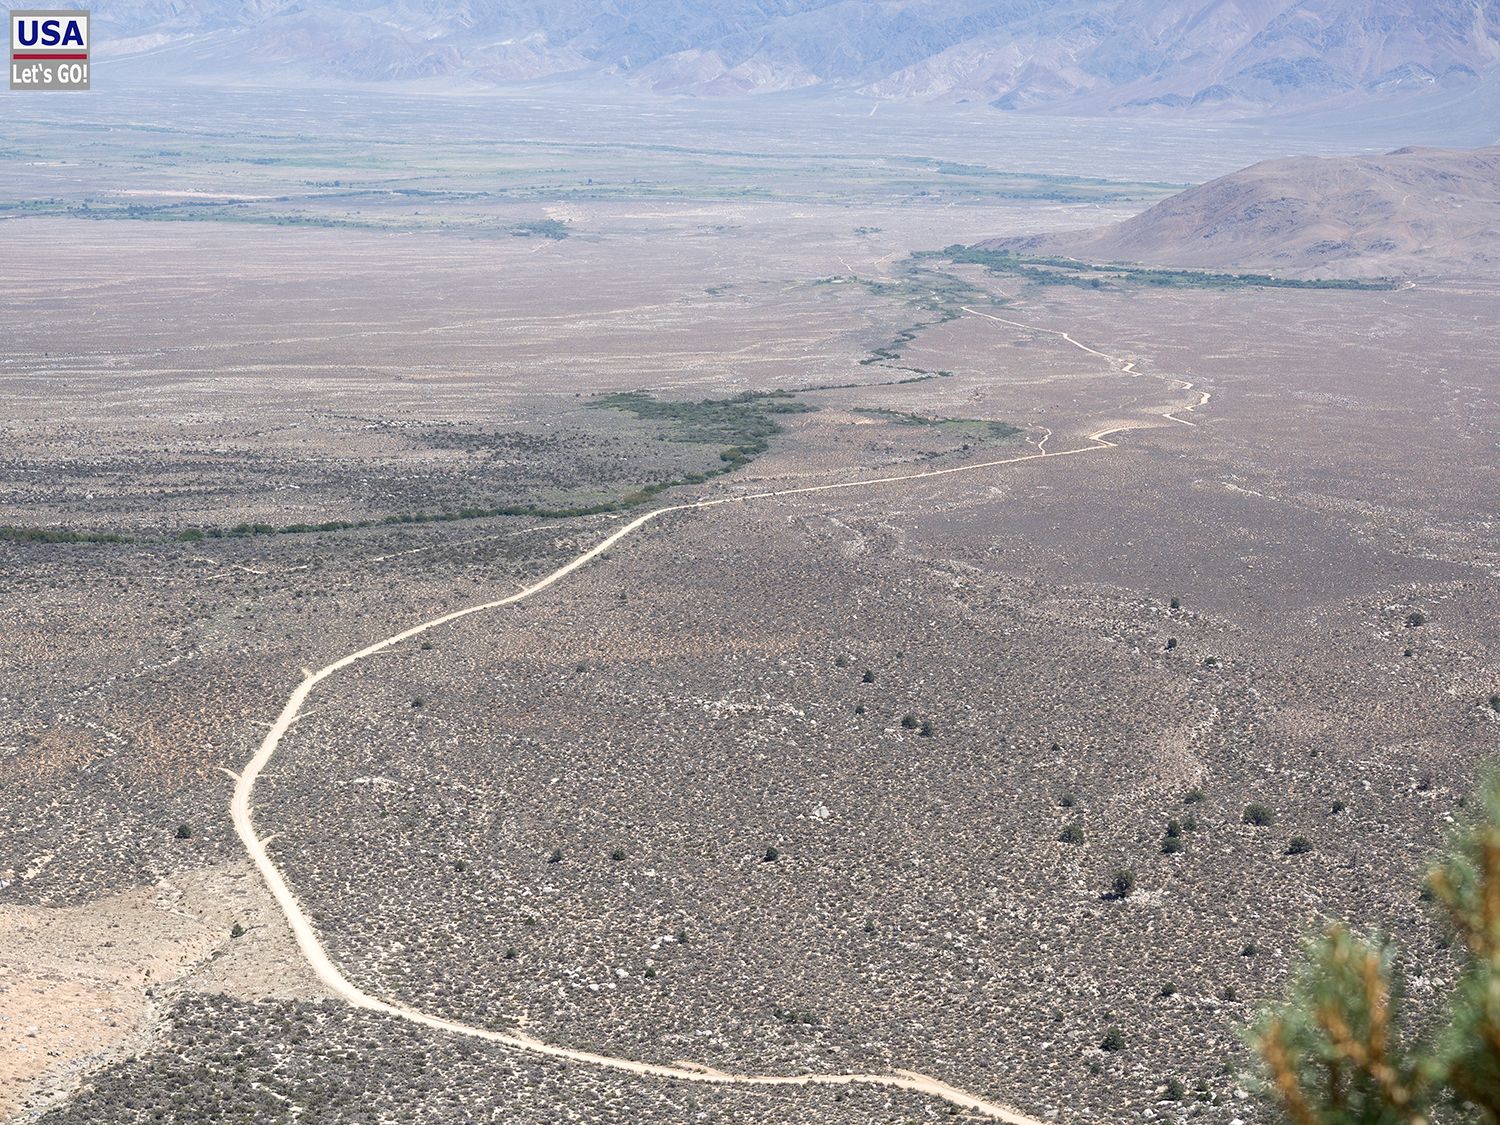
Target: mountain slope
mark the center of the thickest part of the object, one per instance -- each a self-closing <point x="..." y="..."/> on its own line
<point x="1409" y="213"/>
<point x="1076" y="55"/>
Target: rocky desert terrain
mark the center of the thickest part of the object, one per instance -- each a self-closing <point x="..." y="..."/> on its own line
<point x="1017" y="672"/>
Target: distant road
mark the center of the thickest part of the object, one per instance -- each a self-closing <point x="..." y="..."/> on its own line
<point x="240" y="809"/>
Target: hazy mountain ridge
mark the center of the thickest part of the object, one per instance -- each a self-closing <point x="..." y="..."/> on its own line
<point x="1413" y="212"/>
<point x="1089" y="55"/>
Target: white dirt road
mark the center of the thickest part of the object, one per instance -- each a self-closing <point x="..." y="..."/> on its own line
<point x="241" y="812"/>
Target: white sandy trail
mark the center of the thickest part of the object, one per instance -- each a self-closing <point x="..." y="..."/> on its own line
<point x="1126" y="366"/>
<point x="240" y="810"/>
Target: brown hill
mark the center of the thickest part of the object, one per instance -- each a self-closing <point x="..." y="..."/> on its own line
<point x="1412" y="212"/>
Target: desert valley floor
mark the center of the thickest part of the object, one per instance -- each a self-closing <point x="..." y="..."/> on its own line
<point x="830" y="782"/>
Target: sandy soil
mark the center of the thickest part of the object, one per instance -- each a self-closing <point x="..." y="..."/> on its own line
<point x="81" y="985"/>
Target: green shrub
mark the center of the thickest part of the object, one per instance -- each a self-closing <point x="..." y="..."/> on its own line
<point x="1112" y="1041"/>
<point x="1258" y="815"/>
<point x="1298" y="845"/>
<point x="1072" y="834"/>
<point x="1338" y="1050"/>
<point x="1122" y="884"/>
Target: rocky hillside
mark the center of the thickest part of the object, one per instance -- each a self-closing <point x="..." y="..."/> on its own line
<point x="1412" y="212"/>
<point x="1071" y="55"/>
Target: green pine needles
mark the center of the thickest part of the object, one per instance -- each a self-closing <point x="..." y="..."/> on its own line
<point x="1335" y="1052"/>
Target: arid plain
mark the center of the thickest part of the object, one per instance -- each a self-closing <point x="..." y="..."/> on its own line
<point x="834" y="782"/>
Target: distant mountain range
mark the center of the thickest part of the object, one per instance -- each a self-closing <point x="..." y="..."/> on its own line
<point x="1410" y="213"/>
<point x="1071" y="55"/>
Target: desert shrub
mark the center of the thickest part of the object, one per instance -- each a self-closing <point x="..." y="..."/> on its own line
<point x="1112" y="1041"/>
<point x="869" y="676"/>
<point x="184" y="832"/>
<point x="1258" y="815"/>
<point x="1338" y="806"/>
<point x="925" y="730"/>
<point x="1067" y="800"/>
<point x="771" y="856"/>
<point x="1174" y="829"/>
<point x="1072" y="834"/>
<point x="1415" y="619"/>
<point x="617" y="855"/>
<point x="236" y="930"/>
<point x="909" y="721"/>
<point x="1298" y="845"/>
<point x="1193" y="797"/>
<point x="1174" y="1090"/>
<point x="1122" y="884"/>
<point x="556" y="856"/>
<point x="1171" y="845"/>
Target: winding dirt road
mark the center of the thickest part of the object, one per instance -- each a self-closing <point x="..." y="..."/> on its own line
<point x="241" y="812"/>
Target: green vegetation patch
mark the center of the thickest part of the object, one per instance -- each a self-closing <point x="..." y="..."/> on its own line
<point x="971" y="427"/>
<point x="742" y="425"/>
<point x="540" y="228"/>
<point x="1087" y="275"/>
<point x="59" y="535"/>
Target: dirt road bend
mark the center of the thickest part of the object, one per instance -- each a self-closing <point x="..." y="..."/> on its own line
<point x="241" y="813"/>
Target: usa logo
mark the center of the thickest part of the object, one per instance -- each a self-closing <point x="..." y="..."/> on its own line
<point x="49" y="50"/>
